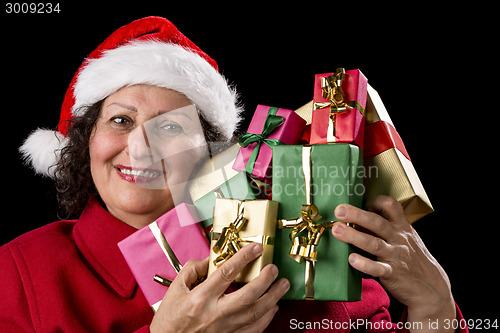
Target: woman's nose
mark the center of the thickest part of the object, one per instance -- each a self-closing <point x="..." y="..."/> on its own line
<point x="139" y="148"/>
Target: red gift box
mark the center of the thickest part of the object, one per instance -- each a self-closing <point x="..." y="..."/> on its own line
<point x="339" y="105"/>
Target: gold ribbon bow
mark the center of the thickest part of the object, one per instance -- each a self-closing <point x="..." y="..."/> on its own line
<point x="332" y="90"/>
<point x="228" y="240"/>
<point x="227" y="243"/>
<point x="304" y="247"/>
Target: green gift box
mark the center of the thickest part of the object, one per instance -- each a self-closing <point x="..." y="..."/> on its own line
<point x="309" y="182"/>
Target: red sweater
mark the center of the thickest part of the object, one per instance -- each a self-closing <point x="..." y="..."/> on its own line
<point x="69" y="276"/>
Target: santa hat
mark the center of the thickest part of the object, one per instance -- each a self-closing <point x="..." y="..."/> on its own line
<point x="147" y="51"/>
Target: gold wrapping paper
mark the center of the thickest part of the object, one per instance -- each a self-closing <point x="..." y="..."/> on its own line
<point x="375" y="109"/>
<point x="213" y="173"/>
<point x="305" y="111"/>
<point x="261" y="216"/>
<point x="394" y="174"/>
<point x="397" y="177"/>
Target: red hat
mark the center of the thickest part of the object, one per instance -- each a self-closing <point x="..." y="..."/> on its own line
<point x="147" y="51"/>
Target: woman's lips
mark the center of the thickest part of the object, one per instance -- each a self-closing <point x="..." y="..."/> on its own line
<point x="138" y="175"/>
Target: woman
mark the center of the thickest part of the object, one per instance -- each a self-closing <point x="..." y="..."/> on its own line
<point x="135" y="122"/>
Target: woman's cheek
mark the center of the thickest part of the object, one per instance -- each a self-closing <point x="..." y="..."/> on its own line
<point x="104" y="146"/>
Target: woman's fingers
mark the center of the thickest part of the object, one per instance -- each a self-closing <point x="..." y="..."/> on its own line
<point x="189" y="275"/>
<point x="249" y="294"/>
<point x="252" y="307"/>
<point x="372" y="244"/>
<point x="370" y="267"/>
<point x="261" y="324"/>
<point x="223" y="276"/>
<point x="388" y="207"/>
<point x="368" y="220"/>
<point x="250" y="312"/>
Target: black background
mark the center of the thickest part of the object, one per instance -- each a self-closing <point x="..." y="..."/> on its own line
<point x="430" y="66"/>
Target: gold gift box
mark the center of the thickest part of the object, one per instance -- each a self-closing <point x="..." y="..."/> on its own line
<point x="395" y="174"/>
<point x="305" y="111"/>
<point x="213" y="173"/>
<point x="261" y="216"/>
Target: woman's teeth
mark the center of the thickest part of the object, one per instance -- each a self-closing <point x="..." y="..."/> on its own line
<point x="140" y="173"/>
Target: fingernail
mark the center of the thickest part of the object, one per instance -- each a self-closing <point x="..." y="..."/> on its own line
<point x="352" y="258"/>
<point x="257" y="249"/>
<point x="341" y="212"/>
<point x="285" y="285"/>
<point x="338" y="228"/>
<point x="274" y="270"/>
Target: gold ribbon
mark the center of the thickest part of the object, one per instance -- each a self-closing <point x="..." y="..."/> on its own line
<point x="169" y="253"/>
<point x="228" y="239"/>
<point x="304" y="247"/>
<point x="332" y="90"/>
<point x="167" y="250"/>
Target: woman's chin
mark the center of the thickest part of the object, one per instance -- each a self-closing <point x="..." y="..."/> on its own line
<point x="144" y="202"/>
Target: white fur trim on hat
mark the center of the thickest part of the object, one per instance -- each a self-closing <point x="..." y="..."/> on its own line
<point x="42" y="149"/>
<point x="164" y="65"/>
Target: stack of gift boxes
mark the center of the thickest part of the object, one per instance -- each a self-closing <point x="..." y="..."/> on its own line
<point x="279" y="186"/>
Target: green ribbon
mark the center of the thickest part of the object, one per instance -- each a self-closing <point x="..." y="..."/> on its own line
<point x="272" y="122"/>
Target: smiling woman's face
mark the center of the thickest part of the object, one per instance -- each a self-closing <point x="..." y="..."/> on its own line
<point x="143" y="150"/>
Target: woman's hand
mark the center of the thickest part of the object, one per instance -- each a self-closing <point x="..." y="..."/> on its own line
<point x="404" y="265"/>
<point x="187" y="307"/>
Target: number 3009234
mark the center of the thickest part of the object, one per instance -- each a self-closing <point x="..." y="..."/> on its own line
<point x="32" y="8"/>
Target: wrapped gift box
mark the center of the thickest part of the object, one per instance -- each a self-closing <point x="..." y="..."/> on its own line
<point x="236" y="224"/>
<point x="217" y="178"/>
<point x="161" y="248"/>
<point x="240" y="186"/>
<point x="391" y="171"/>
<point x="265" y="130"/>
<point x="336" y="172"/>
<point x="305" y="112"/>
<point x="339" y="119"/>
<point x="213" y="173"/>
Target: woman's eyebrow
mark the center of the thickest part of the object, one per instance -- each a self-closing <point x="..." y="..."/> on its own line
<point x="175" y="112"/>
<point x="125" y="106"/>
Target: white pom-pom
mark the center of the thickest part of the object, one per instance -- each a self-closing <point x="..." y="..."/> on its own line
<point x="41" y="150"/>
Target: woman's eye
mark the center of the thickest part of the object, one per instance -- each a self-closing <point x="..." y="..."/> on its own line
<point x="120" y="120"/>
<point x="170" y="129"/>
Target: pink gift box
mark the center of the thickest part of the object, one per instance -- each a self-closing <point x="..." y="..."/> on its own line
<point x="289" y="133"/>
<point x="147" y="258"/>
<point x="349" y="125"/>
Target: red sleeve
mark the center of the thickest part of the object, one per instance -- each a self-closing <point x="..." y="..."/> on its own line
<point x="371" y="314"/>
<point x="367" y="315"/>
<point x="144" y="329"/>
<point x="460" y="319"/>
<point x="15" y="315"/>
<point x="460" y="323"/>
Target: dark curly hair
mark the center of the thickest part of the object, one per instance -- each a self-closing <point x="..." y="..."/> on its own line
<point x="73" y="179"/>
